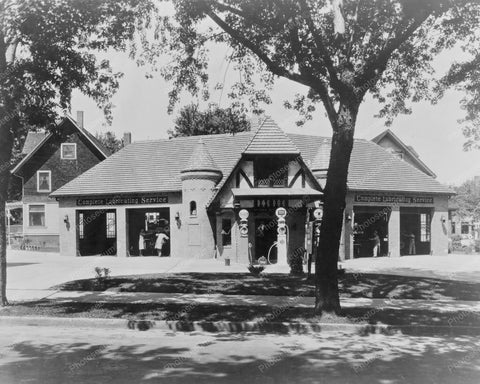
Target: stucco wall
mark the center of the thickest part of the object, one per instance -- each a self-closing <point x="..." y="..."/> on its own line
<point x="439" y="231"/>
<point x="68" y="236"/>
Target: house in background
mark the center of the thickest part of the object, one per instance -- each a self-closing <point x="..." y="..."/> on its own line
<point x="464" y="226"/>
<point x="51" y="159"/>
<point x="390" y="142"/>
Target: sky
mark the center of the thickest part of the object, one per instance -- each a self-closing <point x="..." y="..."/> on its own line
<point x="433" y="131"/>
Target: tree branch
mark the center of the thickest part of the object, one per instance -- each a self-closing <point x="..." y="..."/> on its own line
<point x="272" y="66"/>
<point x="312" y="82"/>
<point x="377" y="65"/>
<point x="335" y="82"/>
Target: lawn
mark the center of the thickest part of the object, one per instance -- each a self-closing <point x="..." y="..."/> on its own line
<point x="355" y="285"/>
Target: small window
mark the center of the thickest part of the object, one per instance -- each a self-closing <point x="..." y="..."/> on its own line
<point x="36" y="215"/>
<point x="226" y="232"/>
<point x="271" y="173"/>
<point x="111" y="227"/>
<point x="193" y="208"/>
<point x="465" y="229"/>
<point x="453" y="228"/>
<point x="44" y="181"/>
<point x="81" y="226"/>
<point x="424" y="227"/>
<point x="69" y="151"/>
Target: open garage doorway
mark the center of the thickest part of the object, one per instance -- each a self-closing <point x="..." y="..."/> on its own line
<point x="97" y="232"/>
<point x="369" y="223"/>
<point x="415" y="231"/>
<point x="144" y="227"/>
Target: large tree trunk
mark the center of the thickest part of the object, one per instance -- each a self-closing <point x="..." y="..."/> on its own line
<point x="6" y="144"/>
<point x="3" y="256"/>
<point x="326" y="278"/>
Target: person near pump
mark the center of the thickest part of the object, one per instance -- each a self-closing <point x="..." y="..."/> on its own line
<point x="376" y="244"/>
<point x="162" y="238"/>
<point x="141" y="242"/>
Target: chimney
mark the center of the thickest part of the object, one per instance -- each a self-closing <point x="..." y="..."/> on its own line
<point x="127" y="138"/>
<point x="80" y="118"/>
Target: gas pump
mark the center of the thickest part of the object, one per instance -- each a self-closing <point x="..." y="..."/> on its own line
<point x="281" y="236"/>
<point x="243" y="226"/>
<point x="313" y="238"/>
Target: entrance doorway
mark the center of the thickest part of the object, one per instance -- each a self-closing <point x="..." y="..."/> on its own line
<point x="97" y="232"/>
<point x="370" y="221"/>
<point x="415" y="231"/>
<point x="265" y="236"/>
<point x="153" y="221"/>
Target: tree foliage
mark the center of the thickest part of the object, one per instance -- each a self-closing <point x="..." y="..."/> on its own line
<point x="110" y="141"/>
<point x="468" y="199"/>
<point x="47" y="49"/>
<point x="387" y="48"/>
<point x="340" y="50"/>
<point x="193" y="122"/>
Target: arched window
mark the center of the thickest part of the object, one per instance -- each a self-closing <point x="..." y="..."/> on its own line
<point x="193" y="208"/>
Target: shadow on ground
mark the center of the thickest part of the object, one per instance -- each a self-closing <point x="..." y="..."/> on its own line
<point x="233" y="359"/>
<point x="438" y="320"/>
<point x="351" y="285"/>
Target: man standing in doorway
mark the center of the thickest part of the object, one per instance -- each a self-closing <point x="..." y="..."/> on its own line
<point x="161" y="240"/>
<point x="411" y="244"/>
<point x="376" y="244"/>
<point x="141" y="242"/>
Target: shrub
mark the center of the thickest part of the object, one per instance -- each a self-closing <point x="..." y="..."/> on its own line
<point x="296" y="264"/>
<point x="98" y="272"/>
<point x="102" y="273"/>
<point x="256" y="269"/>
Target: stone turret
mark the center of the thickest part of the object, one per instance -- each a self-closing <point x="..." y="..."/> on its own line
<point x="199" y="179"/>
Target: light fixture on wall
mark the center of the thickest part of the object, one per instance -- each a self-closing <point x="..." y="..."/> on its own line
<point x="442" y="219"/>
<point x="348" y="217"/>
<point x="66" y="220"/>
<point x="178" y="220"/>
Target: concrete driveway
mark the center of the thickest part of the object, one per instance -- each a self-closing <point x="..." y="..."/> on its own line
<point x="30" y="275"/>
<point x="451" y="267"/>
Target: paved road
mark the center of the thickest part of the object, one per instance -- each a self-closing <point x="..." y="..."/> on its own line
<point x="55" y="355"/>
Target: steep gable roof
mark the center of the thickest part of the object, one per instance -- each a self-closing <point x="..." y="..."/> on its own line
<point x="270" y="139"/>
<point x="40" y="143"/>
<point x="96" y="143"/>
<point x="32" y="140"/>
<point x="409" y="151"/>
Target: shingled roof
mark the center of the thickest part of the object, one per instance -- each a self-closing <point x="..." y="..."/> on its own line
<point x="201" y="160"/>
<point x="32" y="140"/>
<point x="372" y="168"/>
<point x="270" y="139"/>
<point x="155" y="166"/>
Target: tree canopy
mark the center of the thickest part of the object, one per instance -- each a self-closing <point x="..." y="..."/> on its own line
<point x="110" y="141"/>
<point x="47" y="49"/>
<point x="468" y="199"/>
<point x="337" y="49"/>
<point x="191" y="121"/>
<point x="340" y="50"/>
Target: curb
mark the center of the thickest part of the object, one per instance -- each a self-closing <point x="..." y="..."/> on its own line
<point x="233" y="326"/>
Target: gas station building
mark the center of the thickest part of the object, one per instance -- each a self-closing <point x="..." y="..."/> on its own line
<point x="245" y="196"/>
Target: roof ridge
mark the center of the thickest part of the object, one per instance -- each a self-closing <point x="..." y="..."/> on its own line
<point x="270" y="138"/>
